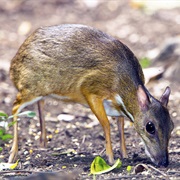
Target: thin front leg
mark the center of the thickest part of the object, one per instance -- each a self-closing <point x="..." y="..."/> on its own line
<point x="120" y="123"/>
<point x="96" y="105"/>
<point x="43" y="139"/>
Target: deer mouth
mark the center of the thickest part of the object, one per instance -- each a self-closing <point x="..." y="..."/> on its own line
<point x="161" y="159"/>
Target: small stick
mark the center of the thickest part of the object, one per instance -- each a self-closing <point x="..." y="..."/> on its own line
<point x="83" y="140"/>
<point x="157" y="170"/>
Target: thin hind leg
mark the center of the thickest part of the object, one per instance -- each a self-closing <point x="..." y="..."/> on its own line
<point x="14" y="149"/>
<point x="15" y="111"/>
<point x="43" y="139"/>
<point x="120" y="123"/>
<point x="19" y="104"/>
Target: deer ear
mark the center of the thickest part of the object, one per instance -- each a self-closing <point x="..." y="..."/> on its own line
<point x="143" y="99"/>
<point x="165" y="96"/>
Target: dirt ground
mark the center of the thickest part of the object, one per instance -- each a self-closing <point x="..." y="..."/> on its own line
<point x="72" y="145"/>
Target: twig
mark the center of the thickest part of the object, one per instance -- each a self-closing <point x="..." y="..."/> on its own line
<point x="83" y="140"/>
<point x="157" y="170"/>
<point x="102" y="151"/>
<point x="147" y="167"/>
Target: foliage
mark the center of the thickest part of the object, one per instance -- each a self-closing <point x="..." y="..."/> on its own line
<point x="4" y="166"/>
<point x="5" y="124"/>
<point x="129" y="168"/>
<point x="99" y="166"/>
<point x="145" y="62"/>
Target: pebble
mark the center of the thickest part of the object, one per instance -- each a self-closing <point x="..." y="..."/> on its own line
<point x="26" y="152"/>
<point x="24" y="28"/>
<point x="38" y="156"/>
<point x="36" y="137"/>
<point x="28" y="158"/>
<point x="27" y="163"/>
<point x="178" y="132"/>
<point x="74" y="140"/>
<point x="49" y="136"/>
<point x="56" y="131"/>
<point x="82" y="155"/>
<point x="174" y="114"/>
<point x="65" y="117"/>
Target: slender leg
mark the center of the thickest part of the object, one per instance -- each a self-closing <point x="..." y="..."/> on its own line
<point x="43" y="139"/>
<point x="96" y="105"/>
<point x="120" y="122"/>
<point x="14" y="149"/>
<point x="22" y="100"/>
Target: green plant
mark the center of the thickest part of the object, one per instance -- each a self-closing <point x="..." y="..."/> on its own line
<point x="145" y="62"/>
<point x="5" y="124"/>
<point x="99" y="166"/>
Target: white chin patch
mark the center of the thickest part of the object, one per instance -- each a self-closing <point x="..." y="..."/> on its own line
<point x="149" y="155"/>
<point x="147" y="152"/>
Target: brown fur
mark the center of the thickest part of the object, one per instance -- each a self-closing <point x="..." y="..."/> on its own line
<point x="86" y="66"/>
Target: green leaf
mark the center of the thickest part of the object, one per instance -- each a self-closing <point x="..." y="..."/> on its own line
<point x="11" y="123"/>
<point x="6" y="137"/>
<point x="25" y="113"/>
<point x="4" y="166"/>
<point x="31" y="114"/>
<point x="99" y="166"/>
<point x="1" y="149"/>
<point x="3" y="116"/>
<point x="14" y="165"/>
<point x="129" y="168"/>
<point x="2" y="131"/>
<point x="145" y="62"/>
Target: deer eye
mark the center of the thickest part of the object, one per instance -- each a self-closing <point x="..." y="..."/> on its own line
<point x="150" y="128"/>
